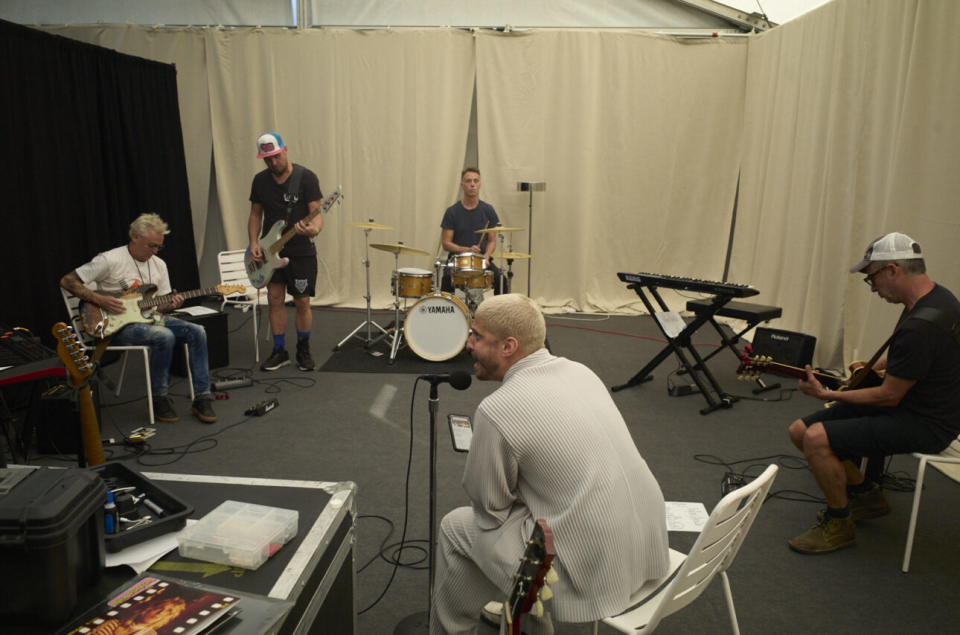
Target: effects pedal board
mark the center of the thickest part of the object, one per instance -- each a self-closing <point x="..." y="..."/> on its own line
<point x="261" y="408"/>
<point x="237" y="381"/>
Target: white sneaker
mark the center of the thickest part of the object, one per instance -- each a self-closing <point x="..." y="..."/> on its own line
<point x="491" y="613"/>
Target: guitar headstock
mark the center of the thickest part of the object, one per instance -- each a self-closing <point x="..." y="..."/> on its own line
<point x="529" y="588"/>
<point x="752" y="366"/>
<point x="332" y="198"/>
<point x="72" y="353"/>
<point x="227" y="289"/>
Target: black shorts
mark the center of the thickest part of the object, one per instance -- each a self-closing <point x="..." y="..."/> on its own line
<point x="855" y="431"/>
<point x="299" y="276"/>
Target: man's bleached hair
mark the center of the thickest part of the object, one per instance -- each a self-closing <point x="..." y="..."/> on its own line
<point x="514" y="315"/>
<point x="148" y="222"/>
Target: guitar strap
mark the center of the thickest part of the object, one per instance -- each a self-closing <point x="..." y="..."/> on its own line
<point x="939" y="318"/>
<point x="292" y="197"/>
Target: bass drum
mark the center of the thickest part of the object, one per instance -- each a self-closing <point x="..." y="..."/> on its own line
<point x="437" y="326"/>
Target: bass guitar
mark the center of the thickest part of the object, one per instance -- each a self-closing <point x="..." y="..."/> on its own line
<point x="138" y="305"/>
<point x="79" y="368"/>
<point x="530" y="581"/>
<point x="260" y="272"/>
<point x="753" y="367"/>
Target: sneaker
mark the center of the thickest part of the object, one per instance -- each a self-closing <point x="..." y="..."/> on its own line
<point x="277" y="359"/>
<point x="491" y="613"/>
<point x="829" y="534"/>
<point x="163" y="410"/>
<point x="869" y="504"/>
<point x="304" y="359"/>
<point x="203" y="409"/>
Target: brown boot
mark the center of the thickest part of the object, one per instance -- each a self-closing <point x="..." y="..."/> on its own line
<point x="869" y="504"/>
<point x="829" y="534"/>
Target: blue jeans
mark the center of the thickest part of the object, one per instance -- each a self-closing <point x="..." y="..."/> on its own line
<point x="161" y="339"/>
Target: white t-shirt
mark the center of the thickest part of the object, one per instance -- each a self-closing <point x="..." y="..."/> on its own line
<point x="117" y="270"/>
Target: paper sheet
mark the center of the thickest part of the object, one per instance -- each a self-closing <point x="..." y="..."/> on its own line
<point x="671" y="322"/>
<point x="196" y="310"/>
<point x="140" y="556"/>
<point x="686" y="516"/>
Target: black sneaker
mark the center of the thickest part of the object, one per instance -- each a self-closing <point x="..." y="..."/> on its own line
<point x="163" y="410"/>
<point x="304" y="359"/>
<point x="203" y="409"/>
<point x="277" y="359"/>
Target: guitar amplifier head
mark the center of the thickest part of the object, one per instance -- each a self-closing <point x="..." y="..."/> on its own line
<point x="784" y="347"/>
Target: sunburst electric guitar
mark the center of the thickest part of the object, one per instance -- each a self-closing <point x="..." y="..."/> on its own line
<point x="138" y="306"/>
<point x="530" y="581"/>
<point x="260" y="272"/>
<point x="79" y="368"/>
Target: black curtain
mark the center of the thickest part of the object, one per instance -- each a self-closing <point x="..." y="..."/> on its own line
<point x="91" y="139"/>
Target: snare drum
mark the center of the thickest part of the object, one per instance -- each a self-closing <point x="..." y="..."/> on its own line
<point x="411" y="282"/>
<point x="437" y="326"/>
<point x="473" y="282"/>
<point x="468" y="264"/>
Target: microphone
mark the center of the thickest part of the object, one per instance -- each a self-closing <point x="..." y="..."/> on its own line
<point x="458" y="379"/>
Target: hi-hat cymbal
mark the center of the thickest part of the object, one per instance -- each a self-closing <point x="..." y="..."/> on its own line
<point x="370" y="225"/>
<point x="399" y="248"/>
<point x="511" y="255"/>
<point x="500" y="229"/>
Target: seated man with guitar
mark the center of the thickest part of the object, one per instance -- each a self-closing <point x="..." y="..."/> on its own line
<point x="916" y="407"/>
<point x="284" y="196"/>
<point x="548" y="444"/>
<point x="136" y="266"/>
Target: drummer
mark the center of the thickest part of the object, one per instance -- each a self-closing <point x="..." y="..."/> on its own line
<point x="460" y="224"/>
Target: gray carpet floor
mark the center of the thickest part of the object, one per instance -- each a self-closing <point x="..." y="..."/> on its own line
<point x="357" y="426"/>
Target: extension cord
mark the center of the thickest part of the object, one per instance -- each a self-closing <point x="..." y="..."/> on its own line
<point x="232" y="382"/>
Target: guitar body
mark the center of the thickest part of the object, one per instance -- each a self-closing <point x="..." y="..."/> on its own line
<point x="261" y="272"/>
<point x="79" y="368"/>
<point x="98" y="323"/>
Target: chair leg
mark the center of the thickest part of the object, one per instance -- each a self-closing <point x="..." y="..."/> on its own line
<point x="729" y="596"/>
<point x="146" y="372"/>
<point x="255" y="309"/>
<point x="918" y="488"/>
<point x="123" y="368"/>
<point x="596" y="625"/>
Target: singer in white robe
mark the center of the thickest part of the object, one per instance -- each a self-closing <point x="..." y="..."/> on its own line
<point x="548" y="443"/>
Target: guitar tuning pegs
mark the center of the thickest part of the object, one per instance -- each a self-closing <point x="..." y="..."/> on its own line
<point x="551" y="577"/>
<point x="546" y="593"/>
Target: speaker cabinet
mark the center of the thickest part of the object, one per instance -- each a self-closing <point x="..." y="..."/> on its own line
<point x="785" y="347"/>
<point x="218" y="345"/>
<point x="58" y="423"/>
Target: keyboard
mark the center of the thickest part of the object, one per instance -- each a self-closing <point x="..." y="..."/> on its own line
<point x="689" y="284"/>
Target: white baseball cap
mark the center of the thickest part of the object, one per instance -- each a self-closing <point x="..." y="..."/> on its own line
<point x="269" y="144"/>
<point x="893" y="246"/>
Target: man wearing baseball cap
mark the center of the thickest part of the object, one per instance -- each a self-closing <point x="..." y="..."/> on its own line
<point x="916" y="407"/>
<point x="289" y="193"/>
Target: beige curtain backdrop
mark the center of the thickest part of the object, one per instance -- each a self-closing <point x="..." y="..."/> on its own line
<point x="638" y="138"/>
<point x="852" y="131"/>
<point x="382" y="113"/>
<point x="183" y="48"/>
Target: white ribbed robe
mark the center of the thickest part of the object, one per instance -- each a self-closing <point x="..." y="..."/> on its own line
<point x="550" y="443"/>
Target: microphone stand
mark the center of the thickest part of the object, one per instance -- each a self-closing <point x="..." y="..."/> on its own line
<point x="420" y="622"/>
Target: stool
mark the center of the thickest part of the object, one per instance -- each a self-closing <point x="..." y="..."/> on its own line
<point x="753" y="314"/>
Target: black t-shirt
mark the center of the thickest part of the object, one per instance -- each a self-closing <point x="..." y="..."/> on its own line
<point x="465" y="223"/>
<point x="925" y="352"/>
<point x="270" y="194"/>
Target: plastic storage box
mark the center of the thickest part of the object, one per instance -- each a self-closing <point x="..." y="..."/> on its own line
<point x="51" y="544"/>
<point x="239" y="534"/>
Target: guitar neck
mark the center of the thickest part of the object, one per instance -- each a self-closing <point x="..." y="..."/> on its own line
<point x="160" y="300"/>
<point x="323" y="207"/>
<point x="793" y="371"/>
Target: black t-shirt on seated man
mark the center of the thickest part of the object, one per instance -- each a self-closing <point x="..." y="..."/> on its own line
<point x="270" y="194"/>
<point x="925" y="352"/>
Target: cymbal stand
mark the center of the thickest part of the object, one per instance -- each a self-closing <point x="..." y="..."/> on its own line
<point x="368" y="323"/>
<point x="506" y="281"/>
<point x="396" y="340"/>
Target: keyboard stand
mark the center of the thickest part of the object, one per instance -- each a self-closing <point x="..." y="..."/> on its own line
<point x="752" y="314"/>
<point x="707" y="384"/>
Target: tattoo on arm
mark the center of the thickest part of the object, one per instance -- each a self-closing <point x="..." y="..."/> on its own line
<point x="72" y="283"/>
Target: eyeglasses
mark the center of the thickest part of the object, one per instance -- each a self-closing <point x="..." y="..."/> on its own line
<point x="869" y="279"/>
<point x="157" y="246"/>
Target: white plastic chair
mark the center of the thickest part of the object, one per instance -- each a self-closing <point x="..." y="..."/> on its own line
<point x="950" y="455"/>
<point x="232" y="271"/>
<point x="712" y="553"/>
<point x="72" y="303"/>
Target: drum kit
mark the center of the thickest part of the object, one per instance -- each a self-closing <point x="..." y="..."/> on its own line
<point x="435" y="327"/>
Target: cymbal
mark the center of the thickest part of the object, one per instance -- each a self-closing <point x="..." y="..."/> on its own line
<point x="500" y="229"/>
<point x="370" y="225"/>
<point x="511" y="255"/>
<point x="399" y="248"/>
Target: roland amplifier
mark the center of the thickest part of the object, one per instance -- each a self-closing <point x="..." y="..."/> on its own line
<point x="784" y="347"/>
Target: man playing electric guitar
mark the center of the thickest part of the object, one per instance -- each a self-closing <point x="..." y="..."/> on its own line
<point x="137" y="264"/>
<point x="271" y="201"/>
<point x="914" y="409"/>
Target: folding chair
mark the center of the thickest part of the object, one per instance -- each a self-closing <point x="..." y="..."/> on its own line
<point x="712" y="553"/>
<point x="232" y="271"/>
<point x="949" y="455"/>
<point x="72" y="303"/>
